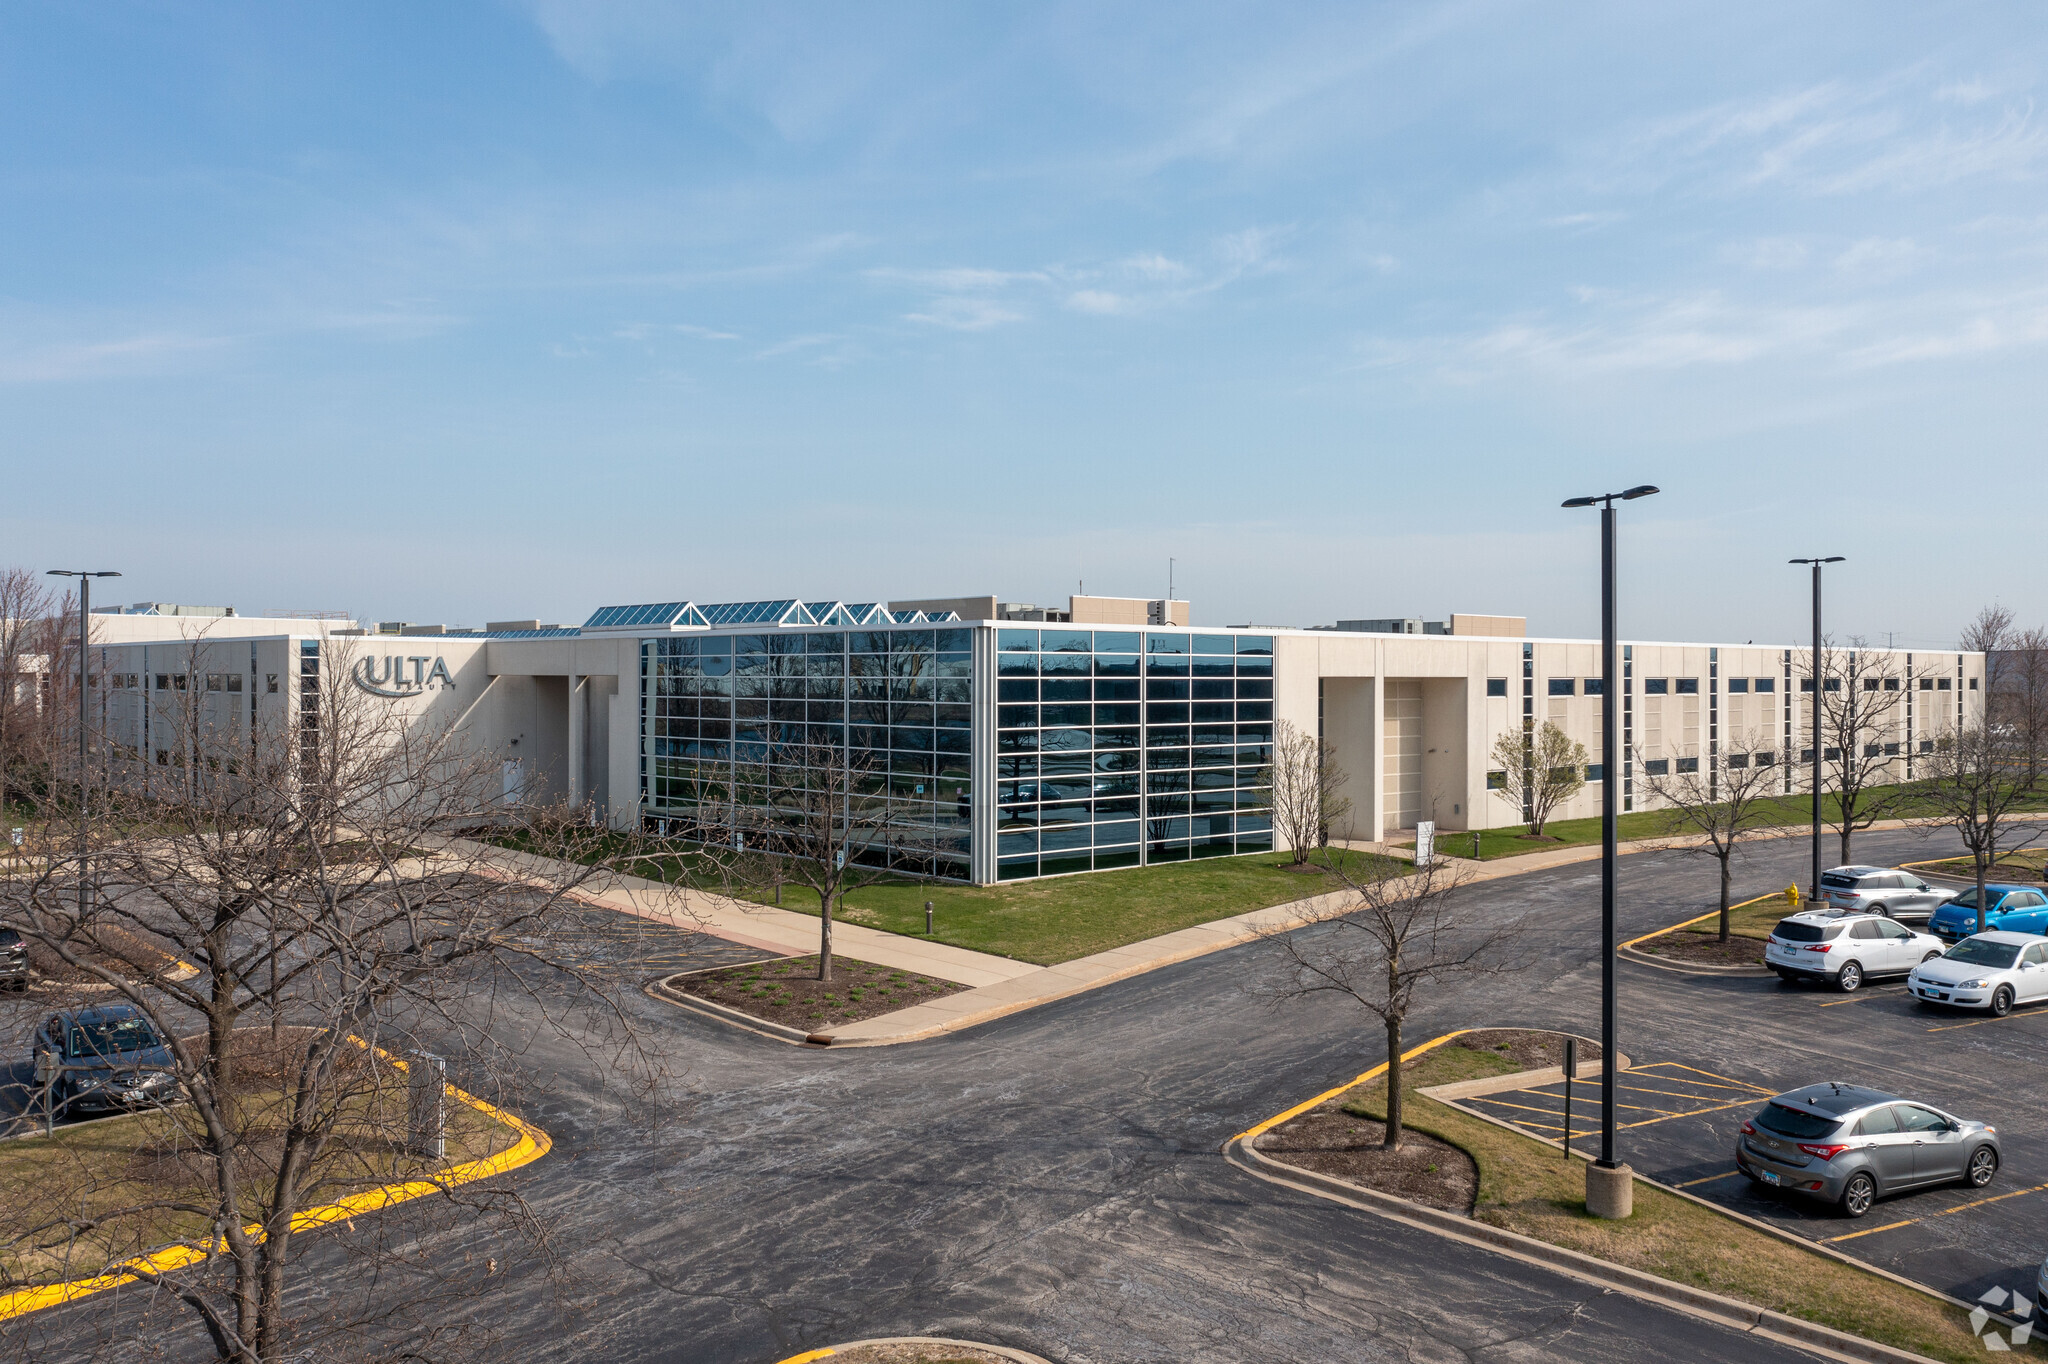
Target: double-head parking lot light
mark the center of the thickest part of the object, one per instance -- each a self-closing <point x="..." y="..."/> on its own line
<point x="1819" y="683"/>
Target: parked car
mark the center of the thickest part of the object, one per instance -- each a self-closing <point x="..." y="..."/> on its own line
<point x="109" y="1057"/>
<point x="1844" y="950"/>
<point x="1993" y="971"/>
<point x="1850" y="1146"/>
<point x="1884" y="890"/>
<point x="2018" y="909"/>
<point x="13" y="958"/>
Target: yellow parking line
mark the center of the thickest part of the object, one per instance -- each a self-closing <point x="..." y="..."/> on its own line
<point x="1980" y="1022"/>
<point x="1730" y="1081"/>
<point x="1718" y="1108"/>
<point x="1861" y="996"/>
<point x="1868" y="1231"/>
<point x="1708" y="1180"/>
<point x="1677" y="1094"/>
<point x="808" y="1356"/>
<point x="1328" y="1094"/>
<point x="1961" y="1207"/>
<point x="1710" y="914"/>
<point x="1487" y="1099"/>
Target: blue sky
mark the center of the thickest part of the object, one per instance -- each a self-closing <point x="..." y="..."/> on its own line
<point x="465" y="312"/>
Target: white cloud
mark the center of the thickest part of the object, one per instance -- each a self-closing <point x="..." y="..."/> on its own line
<point x="965" y="314"/>
<point x="43" y="362"/>
<point x="1098" y="301"/>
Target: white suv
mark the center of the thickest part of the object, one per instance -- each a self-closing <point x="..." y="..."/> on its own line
<point x="1845" y="949"/>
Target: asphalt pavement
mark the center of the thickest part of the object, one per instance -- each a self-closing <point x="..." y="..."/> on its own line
<point x="1053" y="1180"/>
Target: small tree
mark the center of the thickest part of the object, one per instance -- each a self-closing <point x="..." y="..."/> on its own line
<point x="1722" y="806"/>
<point x="1977" y="781"/>
<point x="26" y="606"/>
<point x="1308" y="789"/>
<point x="1405" y="932"/>
<point x="1861" y="702"/>
<point x="1543" y="768"/>
<point x="816" y="816"/>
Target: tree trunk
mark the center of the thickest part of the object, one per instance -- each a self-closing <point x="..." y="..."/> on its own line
<point x="825" y="899"/>
<point x="1724" y="892"/>
<point x="1392" y="1139"/>
<point x="1847" y="834"/>
<point x="1982" y="876"/>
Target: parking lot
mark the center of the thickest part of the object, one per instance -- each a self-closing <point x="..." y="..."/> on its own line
<point x="1707" y="1052"/>
<point x="584" y="938"/>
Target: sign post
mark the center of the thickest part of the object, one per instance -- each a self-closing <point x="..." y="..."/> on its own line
<point x="1571" y="1073"/>
<point x="1425" y="843"/>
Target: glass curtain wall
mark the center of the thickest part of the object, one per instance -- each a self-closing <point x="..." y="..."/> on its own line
<point x="1121" y="747"/>
<point x="724" y="715"/>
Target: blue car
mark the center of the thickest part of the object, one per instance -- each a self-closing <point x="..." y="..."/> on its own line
<point x="2012" y="909"/>
<point x="108" y="1057"/>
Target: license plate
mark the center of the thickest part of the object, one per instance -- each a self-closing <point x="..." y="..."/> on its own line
<point x="1767" y="1177"/>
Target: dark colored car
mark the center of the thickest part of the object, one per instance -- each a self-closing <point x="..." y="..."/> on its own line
<point x="109" y="1057"/>
<point x="1850" y="1146"/>
<point x="2016" y="909"/>
<point x="13" y="959"/>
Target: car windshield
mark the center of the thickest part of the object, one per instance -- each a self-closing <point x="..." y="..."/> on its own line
<point x="1791" y="930"/>
<point x="1968" y="899"/>
<point x="9" y="938"/>
<point x="1983" y="952"/>
<point x="111" y="1036"/>
<point x="1790" y="1122"/>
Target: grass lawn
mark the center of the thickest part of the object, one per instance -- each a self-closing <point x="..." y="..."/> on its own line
<point x="1047" y="921"/>
<point x="1064" y="917"/>
<point x="97" y="1168"/>
<point x="1571" y="833"/>
<point x="1527" y="1187"/>
<point x="2021" y="866"/>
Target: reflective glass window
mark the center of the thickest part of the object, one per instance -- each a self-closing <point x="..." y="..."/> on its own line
<point x="1116" y="665"/>
<point x="1166" y="644"/>
<point x="912" y="641"/>
<point x="955" y="641"/>
<point x="1064" y="665"/>
<point x="1063" y="689"/>
<point x="1116" y="641"/>
<point x="1255" y="644"/>
<point x="1009" y="641"/>
<point x="1017" y="665"/>
<point x="1064" y="641"/>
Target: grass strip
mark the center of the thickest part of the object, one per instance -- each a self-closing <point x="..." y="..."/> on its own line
<point x="1528" y="1187"/>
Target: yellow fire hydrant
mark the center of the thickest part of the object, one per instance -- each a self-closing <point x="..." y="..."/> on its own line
<point x="1792" y="896"/>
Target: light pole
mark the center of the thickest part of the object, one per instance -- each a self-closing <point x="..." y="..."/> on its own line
<point x="85" y="577"/>
<point x="1819" y="683"/>
<point x="1609" y="1190"/>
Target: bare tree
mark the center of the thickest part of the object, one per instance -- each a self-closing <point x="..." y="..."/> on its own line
<point x="1543" y="768"/>
<point x="1977" y="780"/>
<point x="2016" y="694"/>
<point x="1406" y="931"/>
<point x="816" y="816"/>
<point x="1861" y="702"/>
<point x="1308" y="789"/>
<point x="286" y="917"/>
<point x="25" y="607"/>
<point x="1721" y="807"/>
<point x="1988" y="632"/>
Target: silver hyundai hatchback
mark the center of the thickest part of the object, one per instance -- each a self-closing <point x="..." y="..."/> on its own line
<point x="1850" y="1146"/>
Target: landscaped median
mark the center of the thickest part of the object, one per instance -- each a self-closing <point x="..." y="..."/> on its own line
<point x="1696" y="944"/>
<point x="93" y="1167"/>
<point x="1529" y="1200"/>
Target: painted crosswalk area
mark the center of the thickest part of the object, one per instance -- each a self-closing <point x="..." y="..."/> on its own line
<point x="1657" y="1092"/>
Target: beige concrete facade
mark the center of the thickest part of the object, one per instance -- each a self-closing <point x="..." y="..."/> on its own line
<point x="1412" y="718"/>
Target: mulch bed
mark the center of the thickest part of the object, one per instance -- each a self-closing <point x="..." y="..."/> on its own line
<point x="1424" y="1169"/>
<point x="789" y="991"/>
<point x="1330" y="1141"/>
<point x="1706" y="949"/>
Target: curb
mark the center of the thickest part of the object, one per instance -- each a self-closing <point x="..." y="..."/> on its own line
<point x="1642" y="958"/>
<point x="745" y="1022"/>
<point x="1003" y="1351"/>
<point x="1694" y="1302"/>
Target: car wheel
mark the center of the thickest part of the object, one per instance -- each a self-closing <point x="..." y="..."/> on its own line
<point x="1932" y="955"/>
<point x="1857" y="1195"/>
<point x="1882" y="909"/>
<point x="1849" y="978"/>
<point x="2001" y="1001"/>
<point x="1983" y="1167"/>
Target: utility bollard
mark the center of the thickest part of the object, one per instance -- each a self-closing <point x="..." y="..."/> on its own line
<point x="927" y="918"/>
<point x="426" y="1106"/>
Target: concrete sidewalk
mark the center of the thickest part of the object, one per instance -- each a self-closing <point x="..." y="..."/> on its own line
<point x="999" y="986"/>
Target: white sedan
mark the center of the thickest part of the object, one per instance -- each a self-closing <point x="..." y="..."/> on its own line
<point x="1992" y="971"/>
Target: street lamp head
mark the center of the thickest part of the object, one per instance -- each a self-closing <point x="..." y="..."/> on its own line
<point x="1640" y="490"/>
<point x="1831" y="559"/>
<point x="80" y="573"/>
<point x="1580" y="501"/>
